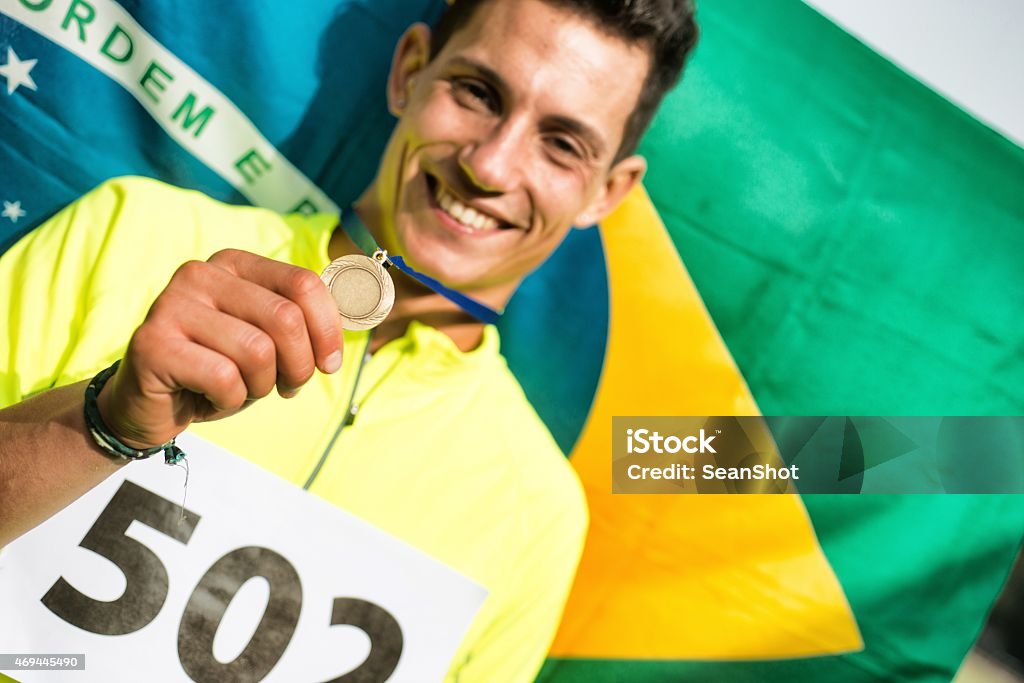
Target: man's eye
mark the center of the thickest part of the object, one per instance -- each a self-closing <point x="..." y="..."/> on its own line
<point x="565" y="147"/>
<point x="474" y="94"/>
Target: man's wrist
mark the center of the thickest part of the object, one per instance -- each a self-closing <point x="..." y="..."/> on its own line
<point x="105" y="404"/>
<point x="106" y="439"/>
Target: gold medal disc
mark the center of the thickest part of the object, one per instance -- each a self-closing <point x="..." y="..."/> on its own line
<point x="362" y="290"/>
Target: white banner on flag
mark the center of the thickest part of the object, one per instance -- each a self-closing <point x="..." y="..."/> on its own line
<point x="192" y="111"/>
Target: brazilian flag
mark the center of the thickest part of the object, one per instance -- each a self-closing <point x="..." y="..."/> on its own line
<point x="851" y="245"/>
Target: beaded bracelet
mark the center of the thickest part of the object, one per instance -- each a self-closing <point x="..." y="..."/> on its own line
<point x="109" y="443"/>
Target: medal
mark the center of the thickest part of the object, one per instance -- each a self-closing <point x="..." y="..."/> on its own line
<point x="362" y="289"/>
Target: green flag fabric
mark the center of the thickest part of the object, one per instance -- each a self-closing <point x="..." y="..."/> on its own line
<point x="858" y="241"/>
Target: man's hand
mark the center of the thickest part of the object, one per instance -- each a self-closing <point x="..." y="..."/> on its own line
<point x="222" y="334"/>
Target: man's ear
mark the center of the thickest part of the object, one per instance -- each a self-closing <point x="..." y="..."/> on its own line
<point x="622" y="177"/>
<point x="412" y="54"/>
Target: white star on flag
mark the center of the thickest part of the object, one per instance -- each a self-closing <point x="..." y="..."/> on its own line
<point x="16" y="72"/>
<point x="13" y="211"/>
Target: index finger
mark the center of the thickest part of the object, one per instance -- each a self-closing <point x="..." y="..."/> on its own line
<point x="301" y="286"/>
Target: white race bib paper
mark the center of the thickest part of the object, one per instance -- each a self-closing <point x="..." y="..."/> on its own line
<point x="261" y="581"/>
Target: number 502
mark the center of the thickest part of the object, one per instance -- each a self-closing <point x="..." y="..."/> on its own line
<point x="147" y="585"/>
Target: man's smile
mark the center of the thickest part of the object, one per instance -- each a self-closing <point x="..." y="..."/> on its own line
<point x="458" y="213"/>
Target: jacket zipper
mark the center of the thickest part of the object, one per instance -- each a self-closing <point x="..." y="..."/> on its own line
<point x="348" y="419"/>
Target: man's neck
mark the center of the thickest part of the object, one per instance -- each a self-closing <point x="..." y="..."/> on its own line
<point x="413" y="301"/>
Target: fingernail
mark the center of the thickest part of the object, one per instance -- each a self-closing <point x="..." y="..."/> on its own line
<point x="332" y="363"/>
<point x="291" y="393"/>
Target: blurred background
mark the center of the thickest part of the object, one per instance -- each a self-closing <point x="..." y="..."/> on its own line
<point x="971" y="53"/>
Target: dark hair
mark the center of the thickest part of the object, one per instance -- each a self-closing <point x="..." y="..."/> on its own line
<point x="666" y="27"/>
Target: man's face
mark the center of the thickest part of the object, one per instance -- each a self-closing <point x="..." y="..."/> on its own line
<point x="505" y="140"/>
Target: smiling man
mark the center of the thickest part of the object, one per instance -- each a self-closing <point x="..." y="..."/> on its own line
<point x="507" y="137"/>
<point x="516" y="121"/>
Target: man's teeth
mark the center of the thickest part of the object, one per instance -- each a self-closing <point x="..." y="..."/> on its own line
<point x="469" y="217"/>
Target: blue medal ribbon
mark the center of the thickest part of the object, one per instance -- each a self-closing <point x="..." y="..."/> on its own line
<point x="358" y="233"/>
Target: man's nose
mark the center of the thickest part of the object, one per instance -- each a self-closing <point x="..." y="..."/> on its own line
<point x="494" y="163"/>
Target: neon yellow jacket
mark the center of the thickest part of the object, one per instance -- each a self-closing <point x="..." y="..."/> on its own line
<point x="446" y="453"/>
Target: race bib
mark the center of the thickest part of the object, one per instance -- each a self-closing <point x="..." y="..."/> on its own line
<point x="253" y="579"/>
